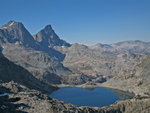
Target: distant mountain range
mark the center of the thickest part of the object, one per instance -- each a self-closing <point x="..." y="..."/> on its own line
<point x="126" y="46"/>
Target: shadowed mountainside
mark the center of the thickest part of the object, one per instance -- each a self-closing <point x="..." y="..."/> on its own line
<point x="12" y="72"/>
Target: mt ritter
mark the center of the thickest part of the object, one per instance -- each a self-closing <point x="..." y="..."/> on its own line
<point x="43" y="62"/>
<point x="47" y="37"/>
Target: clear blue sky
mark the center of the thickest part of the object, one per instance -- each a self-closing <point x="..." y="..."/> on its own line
<point x="83" y="21"/>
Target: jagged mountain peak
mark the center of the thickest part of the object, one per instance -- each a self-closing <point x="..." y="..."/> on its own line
<point x="15" y="33"/>
<point x="12" y="24"/>
<point x="47" y="30"/>
<point x="48" y="27"/>
<point x="48" y="38"/>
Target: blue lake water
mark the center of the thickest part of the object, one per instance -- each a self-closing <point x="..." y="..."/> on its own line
<point x="85" y="97"/>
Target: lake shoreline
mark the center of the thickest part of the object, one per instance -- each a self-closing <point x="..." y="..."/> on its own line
<point x="92" y="97"/>
<point x="96" y="86"/>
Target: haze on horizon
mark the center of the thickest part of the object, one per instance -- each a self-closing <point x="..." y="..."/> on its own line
<point x="83" y="21"/>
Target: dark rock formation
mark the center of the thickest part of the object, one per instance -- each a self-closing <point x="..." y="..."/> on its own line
<point x="48" y="38"/>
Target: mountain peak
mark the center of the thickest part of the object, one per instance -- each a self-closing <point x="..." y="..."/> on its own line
<point x="13" y="24"/>
<point x="48" y="30"/>
<point x="15" y="33"/>
<point x="49" y="27"/>
<point x="47" y="37"/>
<point x="12" y="21"/>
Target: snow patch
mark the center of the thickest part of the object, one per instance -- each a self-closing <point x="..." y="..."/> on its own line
<point x="11" y="24"/>
<point x="55" y="58"/>
<point x="4" y="94"/>
<point x="49" y="46"/>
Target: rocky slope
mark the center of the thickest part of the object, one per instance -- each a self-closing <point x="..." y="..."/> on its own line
<point x="12" y="72"/>
<point x="135" y="80"/>
<point x="80" y="58"/>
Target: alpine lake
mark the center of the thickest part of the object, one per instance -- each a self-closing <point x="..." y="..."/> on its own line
<point x="94" y="97"/>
